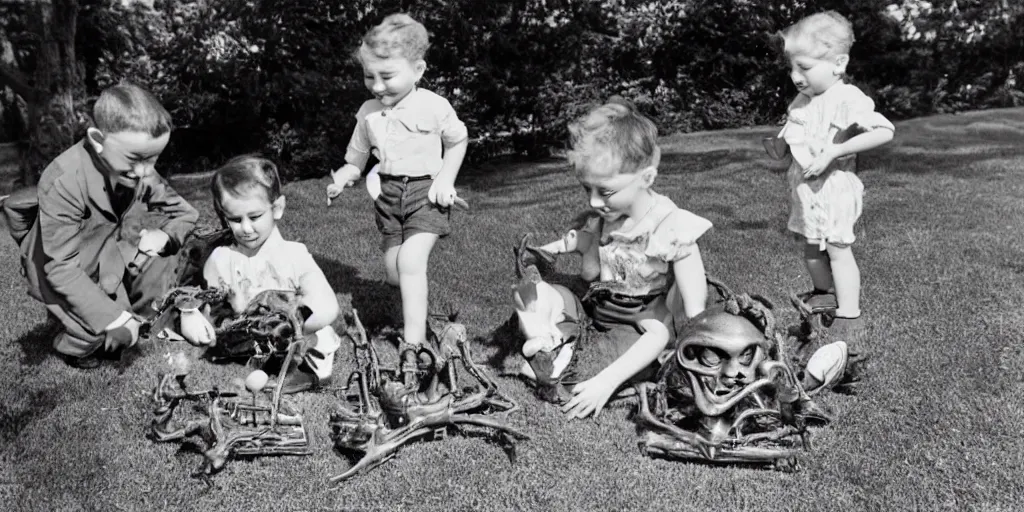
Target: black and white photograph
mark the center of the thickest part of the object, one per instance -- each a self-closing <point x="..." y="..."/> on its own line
<point x="511" y="255"/>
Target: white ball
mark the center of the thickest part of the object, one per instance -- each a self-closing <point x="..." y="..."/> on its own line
<point x="256" y="381"/>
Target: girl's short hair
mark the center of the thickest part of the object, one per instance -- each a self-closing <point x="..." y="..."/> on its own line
<point x="829" y="33"/>
<point x="397" y="36"/>
<point x="243" y="174"/>
<point x="129" y="108"/>
<point x="614" y="136"/>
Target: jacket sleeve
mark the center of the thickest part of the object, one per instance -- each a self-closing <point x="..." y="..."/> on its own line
<point x="181" y="216"/>
<point x="62" y="210"/>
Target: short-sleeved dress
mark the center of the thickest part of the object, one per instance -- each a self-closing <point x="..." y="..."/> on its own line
<point x="636" y="258"/>
<point x="636" y="279"/>
<point x="825" y="208"/>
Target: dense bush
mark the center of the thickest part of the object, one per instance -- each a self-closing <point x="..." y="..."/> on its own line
<point x="277" y="76"/>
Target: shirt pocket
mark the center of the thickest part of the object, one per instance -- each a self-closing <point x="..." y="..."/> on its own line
<point x="415" y="135"/>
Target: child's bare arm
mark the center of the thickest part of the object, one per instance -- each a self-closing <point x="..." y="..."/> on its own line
<point x="591" y="395"/>
<point x="576" y="240"/>
<point x="692" y="282"/>
<point x="452" y="162"/>
<point x="866" y="141"/>
<point x="316" y="294"/>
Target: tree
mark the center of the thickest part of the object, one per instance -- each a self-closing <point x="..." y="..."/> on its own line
<point x="48" y="81"/>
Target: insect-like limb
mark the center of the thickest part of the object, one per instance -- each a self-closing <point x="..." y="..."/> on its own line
<point x="390" y="414"/>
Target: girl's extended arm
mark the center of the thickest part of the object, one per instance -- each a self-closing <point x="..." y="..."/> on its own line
<point x="581" y="241"/>
<point x="576" y="240"/>
<point x="692" y="283"/>
<point x="319" y="297"/>
<point x="591" y="395"/>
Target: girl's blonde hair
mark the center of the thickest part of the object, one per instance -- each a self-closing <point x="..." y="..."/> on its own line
<point x="397" y="36"/>
<point x="614" y="136"/>
<point x="829" y="34"/>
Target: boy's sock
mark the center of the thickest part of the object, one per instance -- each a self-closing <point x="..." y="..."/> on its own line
<point x="321" y="358"/>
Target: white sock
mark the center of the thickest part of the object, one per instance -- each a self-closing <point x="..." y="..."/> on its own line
<point x="327" y="343"/>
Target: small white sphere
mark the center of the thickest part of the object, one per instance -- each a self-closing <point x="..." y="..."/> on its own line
<point x="256" y="381"/>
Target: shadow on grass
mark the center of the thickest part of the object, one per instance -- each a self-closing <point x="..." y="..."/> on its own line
<point x="36" y="344"/>
<point x="379" y="304"/>
<point x="37" y="404"/>
<point x="963" y="165"/>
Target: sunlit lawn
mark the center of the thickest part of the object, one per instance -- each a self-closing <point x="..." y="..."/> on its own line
<point x="938" y="426"/>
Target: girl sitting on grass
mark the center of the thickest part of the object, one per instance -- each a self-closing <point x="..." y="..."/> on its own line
<point x="828" y="120"/>
<point x="639" y="250"/>
<point x="247" y="197"/>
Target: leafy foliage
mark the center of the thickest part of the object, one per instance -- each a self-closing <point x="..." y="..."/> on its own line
<point x="278" y="76"/>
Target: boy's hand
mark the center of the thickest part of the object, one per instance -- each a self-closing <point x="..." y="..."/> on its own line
<point x="124" y="336"/>
<point x="590" y="397"/>
<point x="153" y="241"/>
<point x="444" y="195"/>
<point x="344" y="177"/>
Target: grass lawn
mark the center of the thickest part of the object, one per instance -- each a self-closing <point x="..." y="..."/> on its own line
<point x="938" y="426"/>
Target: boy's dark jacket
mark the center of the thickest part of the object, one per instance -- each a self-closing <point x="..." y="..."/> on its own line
<point x="73" y="245"/>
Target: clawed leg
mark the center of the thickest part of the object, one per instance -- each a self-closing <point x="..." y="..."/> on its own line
<point x="161" y="434"/>
<point x="484" y="421"/>
<point x="379" y="452"/>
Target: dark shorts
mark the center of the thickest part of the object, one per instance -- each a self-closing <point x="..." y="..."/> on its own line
<point x="403" y="210"/>
<point x="608" y="310"/>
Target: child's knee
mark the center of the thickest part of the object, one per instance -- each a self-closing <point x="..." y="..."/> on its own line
<point x="839" y="251"/>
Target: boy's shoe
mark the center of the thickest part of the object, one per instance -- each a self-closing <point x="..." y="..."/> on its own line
<point x="88" y="362"/>
<point x="819" y="301"/>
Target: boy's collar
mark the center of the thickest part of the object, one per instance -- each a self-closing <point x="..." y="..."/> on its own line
<point x="401" y="102"/>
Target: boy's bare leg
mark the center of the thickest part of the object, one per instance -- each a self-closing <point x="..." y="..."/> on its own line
<point x="412" y="273"/>
<point x="819" y="267"/>
<point x="846" y="274"/>
<point x="391" y="265"/>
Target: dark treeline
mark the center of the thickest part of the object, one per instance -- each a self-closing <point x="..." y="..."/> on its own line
<point x="277" y="76"/>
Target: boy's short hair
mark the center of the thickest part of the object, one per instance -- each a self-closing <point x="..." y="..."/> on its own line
<point x="614" y="136"/>
<point x="829" y="33"/>
<point x="129" y="108"/>
<point x="241" y="175"/>
<point x="397" y="36"/>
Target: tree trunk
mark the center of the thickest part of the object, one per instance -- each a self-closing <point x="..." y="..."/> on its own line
<point x="52" y="120"/>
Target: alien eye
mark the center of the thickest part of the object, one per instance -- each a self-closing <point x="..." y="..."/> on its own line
<point x="748" y="355"/>
<point x="708" y="357"/>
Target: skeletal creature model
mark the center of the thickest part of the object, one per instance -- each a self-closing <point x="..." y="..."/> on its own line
<point x="425" y="396"/>
<point x="231" y="425"/>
